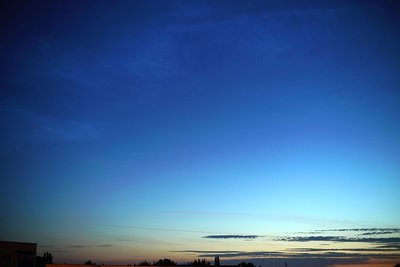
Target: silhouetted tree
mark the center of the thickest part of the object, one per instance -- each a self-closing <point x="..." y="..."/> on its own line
<point x="144" y="263"/>
<point x="89" y="262"/>
<point x="47" y="258"/>
<point x="200" y="262"/>
<point x="165" y="262"/>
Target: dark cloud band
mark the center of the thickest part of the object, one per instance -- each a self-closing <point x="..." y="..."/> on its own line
<point x="341" y="239"/>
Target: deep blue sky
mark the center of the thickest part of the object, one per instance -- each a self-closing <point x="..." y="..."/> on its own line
<point x="238" y="117"/>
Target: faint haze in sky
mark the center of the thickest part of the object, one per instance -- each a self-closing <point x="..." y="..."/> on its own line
<point x="136" y="130"/>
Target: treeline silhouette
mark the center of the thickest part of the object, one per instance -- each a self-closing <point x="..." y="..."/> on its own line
<point x="169" y="262"/>
<point x="47" y="258"/>
<point x="160" y="262"/>
<point x="196" y="262"/>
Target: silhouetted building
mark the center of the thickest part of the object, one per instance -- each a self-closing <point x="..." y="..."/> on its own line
<point x="17" y="254"/>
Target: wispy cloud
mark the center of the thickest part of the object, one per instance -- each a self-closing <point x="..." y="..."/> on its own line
<point x="247" y="237"/>
<point x="302" y="253"/>
<point x="302" y="261"/>
<point x="375" y="249"/>
<point x="372" y="243"/>
<point x="394" y="246"/>
<point x="347" y="255"/>
<point x="156" y="228"/>
<point x="367" y="231"/>
<point x="206" y="251"/>
<point x="49" y="127"/>
<point x="340" y="239"/>
<point x="251" y="254"/>
<point x="231" y="253"/>
<point x="88" y="246"/>
<point x="382" y="232"/>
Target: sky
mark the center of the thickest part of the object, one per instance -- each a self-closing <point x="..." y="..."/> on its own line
<point x="265" y="131"/>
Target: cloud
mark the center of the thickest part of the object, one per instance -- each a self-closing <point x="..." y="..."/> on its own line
<point x="296" y="253"/>
<point x="206" y="251"/>
<point x="392" y="230"/>
<point x="380" y="249"/>
<point x="50" y="127"/>
<point x="154" y="228"/>
<point x="233" y="253"/>
<point x="391" y="246"/>
<point x="377" y="247"/>
<point x="341" y="239"/>
<point x="255" y="254"/>
<point x="348" y="255"/>
<point x="301" y="253"/>
<point x="246" y="237"/>
<point x="88" y="246"/>
<point x="300" y="261"/>
<point x="381" y="232"/>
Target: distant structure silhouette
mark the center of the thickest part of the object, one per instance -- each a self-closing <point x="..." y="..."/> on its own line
<point x="216" y="261"/>
<point x="17" y="254"/>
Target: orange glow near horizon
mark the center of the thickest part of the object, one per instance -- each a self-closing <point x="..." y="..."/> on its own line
<point x="372" y="263"/>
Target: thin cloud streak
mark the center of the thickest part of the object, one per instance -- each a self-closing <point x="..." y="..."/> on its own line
<point x="341" y="239"/>
<point x="388" y="246"/>
<point x="247" y="237"/>
<point x="365" y="231"/>
<point x="89" y="246"/>
<point x="342" y="249"/>
<point x="206" y="251"/>
<point x="287" y="254"/>
<point x="380" y="232"/>
<point x="392" y="230"/>
<point x="159" y="229"/>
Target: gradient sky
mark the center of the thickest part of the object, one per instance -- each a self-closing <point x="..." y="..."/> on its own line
<point x="137" y="130"/>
